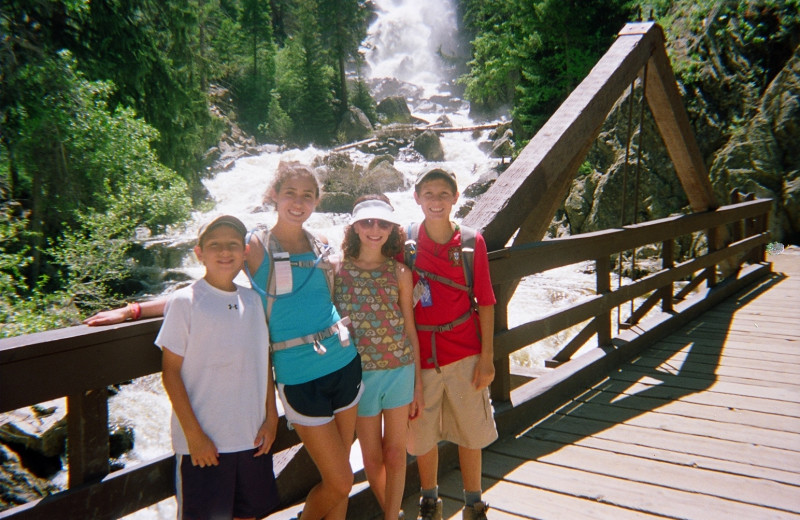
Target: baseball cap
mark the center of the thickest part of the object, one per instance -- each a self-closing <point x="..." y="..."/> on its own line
<point x="376" y="209"/>
<point x="229" y="220"/>
<point x="437" y="173"/>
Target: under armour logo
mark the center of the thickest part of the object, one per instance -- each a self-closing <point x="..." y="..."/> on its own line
<point x="232" y="306"/>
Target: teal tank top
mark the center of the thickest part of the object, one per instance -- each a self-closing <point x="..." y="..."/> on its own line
<point x="300" y="313"/>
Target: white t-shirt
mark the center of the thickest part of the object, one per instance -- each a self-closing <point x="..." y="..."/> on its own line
<point x="222" y="337"/>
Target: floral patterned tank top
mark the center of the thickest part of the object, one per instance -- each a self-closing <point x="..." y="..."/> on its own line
<point x="370" y="298"/>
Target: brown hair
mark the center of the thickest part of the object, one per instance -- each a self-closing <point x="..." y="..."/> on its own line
<point x="351" y="245"/>
<point x="289" y="170"/>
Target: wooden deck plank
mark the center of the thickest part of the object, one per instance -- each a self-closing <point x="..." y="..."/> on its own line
<point x="739" y="488"/>
<point x="753" y="454"/>
<point x="669" y="451"/>
<point x="524" y="501"/>
<point x="751" y="375"/>
<point x="710" y="397"/>
<point x="707" y="362"/>
<point x="719" y="412"/>
<point x="735" y="347"/>
<point x="637" y="496"/>
<point x="691" y="425"/>
<point x="701" y="354"/>
<point x="722" y="385"/>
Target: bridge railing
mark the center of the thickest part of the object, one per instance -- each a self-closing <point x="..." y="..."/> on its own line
<point x="79" y="363"/>
<point x="673" y="283"/>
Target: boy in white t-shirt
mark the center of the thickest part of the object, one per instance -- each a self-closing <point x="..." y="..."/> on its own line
<point x="216" y="372"/>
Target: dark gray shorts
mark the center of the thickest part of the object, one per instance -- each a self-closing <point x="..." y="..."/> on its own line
<point x="240" y="486"/>
<point x="316" y="402"/>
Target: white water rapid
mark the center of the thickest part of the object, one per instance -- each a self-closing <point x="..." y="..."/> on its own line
<point x="406" y="42"/>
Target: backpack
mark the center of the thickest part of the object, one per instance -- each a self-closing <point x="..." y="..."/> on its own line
<point x="467" y="262"/>
<point x="321" y="250"/>
<point x="467" y="257"/>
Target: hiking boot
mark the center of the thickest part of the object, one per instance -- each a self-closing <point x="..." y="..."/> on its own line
<point x="430" y="509"/>
<point x="476" y="511"/>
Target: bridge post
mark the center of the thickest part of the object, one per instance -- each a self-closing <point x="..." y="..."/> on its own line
<point x="501" y="386"/>
<point x="87" y="434"/>
<point x="603" y="286"/>
<point x="667" y="262"/>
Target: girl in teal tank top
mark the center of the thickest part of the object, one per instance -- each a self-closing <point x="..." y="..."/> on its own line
<point x="310" y="354"/>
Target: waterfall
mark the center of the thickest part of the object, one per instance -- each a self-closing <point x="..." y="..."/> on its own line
<point x="408" y="40"/>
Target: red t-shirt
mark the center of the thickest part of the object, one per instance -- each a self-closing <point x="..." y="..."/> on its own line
<point x="450" y="303"/>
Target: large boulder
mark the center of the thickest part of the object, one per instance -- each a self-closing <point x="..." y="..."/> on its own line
<point x="394" y="109"/>
<point x="355" y="125"/>
<point x="429" y="146"/>
<point x="381" y="178"/>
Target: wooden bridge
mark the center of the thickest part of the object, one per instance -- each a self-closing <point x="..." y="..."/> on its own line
<point x="704" y="424"/>
<point x="687" y="408"/>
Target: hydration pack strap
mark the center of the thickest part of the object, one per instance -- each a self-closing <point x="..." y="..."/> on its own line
<point x="340" y="328"/>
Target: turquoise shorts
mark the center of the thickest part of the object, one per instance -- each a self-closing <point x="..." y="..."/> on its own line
<point x="386" y="389"/>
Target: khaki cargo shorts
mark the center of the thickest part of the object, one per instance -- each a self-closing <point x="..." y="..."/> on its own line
<point x="454" y="411"/>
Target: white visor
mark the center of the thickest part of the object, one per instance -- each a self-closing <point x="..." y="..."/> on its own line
<point x="374" y="209"/>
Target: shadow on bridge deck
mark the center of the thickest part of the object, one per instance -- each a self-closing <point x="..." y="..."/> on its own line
<point x="702" y="425"/>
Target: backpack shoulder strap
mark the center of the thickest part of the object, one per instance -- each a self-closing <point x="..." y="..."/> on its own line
<point x="468" y="253"/>
<point x="322" y="250"/>
<point x="410" y="248"/>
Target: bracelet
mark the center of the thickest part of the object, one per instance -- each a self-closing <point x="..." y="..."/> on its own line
<point x="136" y="310"/>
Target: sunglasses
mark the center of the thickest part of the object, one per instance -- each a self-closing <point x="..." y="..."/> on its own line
<point x="368" y="223"/>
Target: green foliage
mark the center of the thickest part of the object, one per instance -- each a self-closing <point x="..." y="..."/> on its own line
<point x="93" y="258"/>
<point x="22" y="309"/>
<point x="532" y="56"/>
<point x="305" y="80"/>
<point x="105" y="124"/>
<point x="92" y="177"/>
<point x="102" y="158"/>
<point x="278" y="127"/>
<point x="253" y="89"/>
<point x="158" y="42"/>
<point x="343" y="27"/>
<point x="361" y="98"/>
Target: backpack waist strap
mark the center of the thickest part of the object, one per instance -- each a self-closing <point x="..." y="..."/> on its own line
<point x="442" y="328"/>
<point x="340" y="328"/>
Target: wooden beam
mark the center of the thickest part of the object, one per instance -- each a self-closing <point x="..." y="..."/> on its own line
<point x="87" y="436"/>
<point x="673" y="124"/>
<point x="532" y="188"/>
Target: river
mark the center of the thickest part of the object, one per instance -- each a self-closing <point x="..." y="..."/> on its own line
<point x="404" y="47"/>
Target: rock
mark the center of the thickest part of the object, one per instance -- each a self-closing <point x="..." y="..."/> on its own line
<point x="40" y="429"/>
<point x="379" y="159"/>
<point x="394" y="109"/>
<point x="465" y="208"/>
<point x="336" y="202"/>
<point x="381" y="178"/>
<point x="429" y="146"/>
<point x="17" y="485"/>
<point x="504" y="147"/>
<point x="763" y="158"/>
<point x="743" y="101"/>
<point x="355" y="125"/>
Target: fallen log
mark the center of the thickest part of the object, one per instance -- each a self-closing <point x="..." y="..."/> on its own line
<point x="410" y="129"/>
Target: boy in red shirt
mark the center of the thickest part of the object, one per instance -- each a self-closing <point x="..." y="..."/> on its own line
<point x="456" y="348"/>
